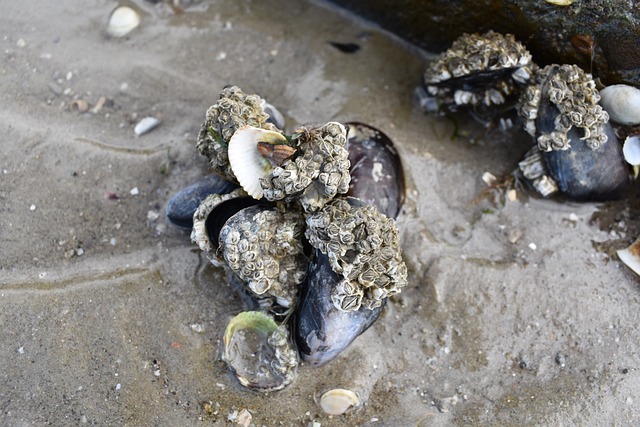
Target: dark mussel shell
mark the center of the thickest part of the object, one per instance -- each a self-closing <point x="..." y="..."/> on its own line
<point x="584" y="174"/>
<point x="184" y="203"/>
<point x="377" y="176"/>
<point x="321" y="330"/>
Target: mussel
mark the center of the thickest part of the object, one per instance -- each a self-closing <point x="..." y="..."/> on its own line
<point x="331" y="313"/>
<point x="184" y="203"/>
<point x="579" y="150"/>
<point x="479" y="71"/>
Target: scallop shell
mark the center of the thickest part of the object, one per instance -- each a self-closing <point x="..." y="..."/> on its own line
<point x="622" y="102"/>
<point x="122" y="21"/>
<point x="338" y="401"/>
<point x="247" y="164"/>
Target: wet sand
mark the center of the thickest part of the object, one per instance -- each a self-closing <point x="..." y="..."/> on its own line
<point x="518" y="312"/>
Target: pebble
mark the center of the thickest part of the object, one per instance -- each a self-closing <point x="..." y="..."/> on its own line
<point x="32" y="207"/>
<point x="21" y="43"/>
<point x="146" y="125"/>
<point x="532" y="246"/>
<point x="134" y="191"/>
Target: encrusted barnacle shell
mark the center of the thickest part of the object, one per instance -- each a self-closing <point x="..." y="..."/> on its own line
<point x="263" y="247"/>
<point x="318" y="171"/>
<point x="560" y="98"/>
<point x="362" y="247"/>
<point x="207" y="226"/>
<point x="479" y="70"/>
<point x="233" y="110"/>
<point x="259" y="352"/>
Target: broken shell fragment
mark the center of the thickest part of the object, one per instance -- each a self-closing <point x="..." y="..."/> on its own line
<point x="258" y="351"/>
<point x="631" y="150"/>
<point x="122" y="21"/>
<point x="79" y="106"/>
<point x="622" y="102"/>
<point x="631" y="256"/>
<point x="246" y="159"/>
<point x="146" y="125"/>
<point x="338" y="401"/>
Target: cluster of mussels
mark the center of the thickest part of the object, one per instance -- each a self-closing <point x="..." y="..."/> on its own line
<point x="304" y="226"/>
<point x="577" y="151"/>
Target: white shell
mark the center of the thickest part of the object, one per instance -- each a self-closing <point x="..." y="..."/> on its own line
<point x="631" y="150"/>
<point x="122" y="20"/>
<point x="146" y="125"/>
<point x="631" y="256"/>
<point x="246" y="162"/>
<point x="337" y="401"/>
<point x="622" y="102"/>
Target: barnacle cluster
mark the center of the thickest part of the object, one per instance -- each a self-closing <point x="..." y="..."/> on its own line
<point x="233" y="110"/>
<point x="479" y="69"/>
<point x="362" y="247"/>
<point x="317" y="173"/>
<point x="573" y="93"/>
<point x="264" y="248"/>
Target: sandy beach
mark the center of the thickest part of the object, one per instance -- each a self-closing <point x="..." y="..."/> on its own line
<point x="518" y="311"/>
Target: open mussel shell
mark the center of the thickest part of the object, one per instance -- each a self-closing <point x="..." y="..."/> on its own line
<point x="211" y="216"/>
<point x="582" y="173"/>
<point x="377" y="176"/>
<point x="259" y="352"/>
<point x="184" y="203"/>
<point x="323" y="331"/>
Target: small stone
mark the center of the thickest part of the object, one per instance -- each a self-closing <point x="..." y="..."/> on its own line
<point x="134" y="191"/>
<point x="532" y="246"/>
<point x="197" y="328"/>
<point x="32" y="207"/>
<point x="489" y="179"/>
<point x="21" y="43"/>
<point x="244" y="418"/>
<point x="118" y="386"/>
<point x="153" y="215"/>
<point x="79" y="252"/>
<point x="21" y="350"/>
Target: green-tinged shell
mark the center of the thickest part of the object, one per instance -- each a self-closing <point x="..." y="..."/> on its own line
<point x="318" y="172"/>
<point x="362" y="247"/>
<point x="567" y="96"/>
<point x="259" y="352"/>
<point x="233" y="110"/>
<point x="263" y="247"/>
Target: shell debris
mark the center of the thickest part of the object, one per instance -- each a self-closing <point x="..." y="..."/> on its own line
<point x="338" y="401"/>
<point x="146" y="125"/>
<point x="631" y="256"/>
<point x="122" y="21"/>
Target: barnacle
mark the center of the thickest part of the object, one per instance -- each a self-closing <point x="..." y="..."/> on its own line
<point x="263" y="247"/>
<point x="233" y="110"/>
<point x="362" y="247"/>
<point x="479" y="69"/>
<point x="567" y="97"/>
<point x="318" y="171"/>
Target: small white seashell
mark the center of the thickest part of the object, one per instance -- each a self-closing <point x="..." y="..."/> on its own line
<point x="631" y="150"/>
<point x="146" y="125"/>
<point x="560" y="2"/>
<point x="631" y="256"/>
<point x="622" y="102"/>
<point x="122" y="20"/>
<point x="247" y="164"/>
<point x="338" y="400"/>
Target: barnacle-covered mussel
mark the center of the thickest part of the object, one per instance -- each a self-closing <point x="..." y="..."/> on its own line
<point x="577" y="152"/>
<point x="290" y="237"/>
<point x="480" y="71"/>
